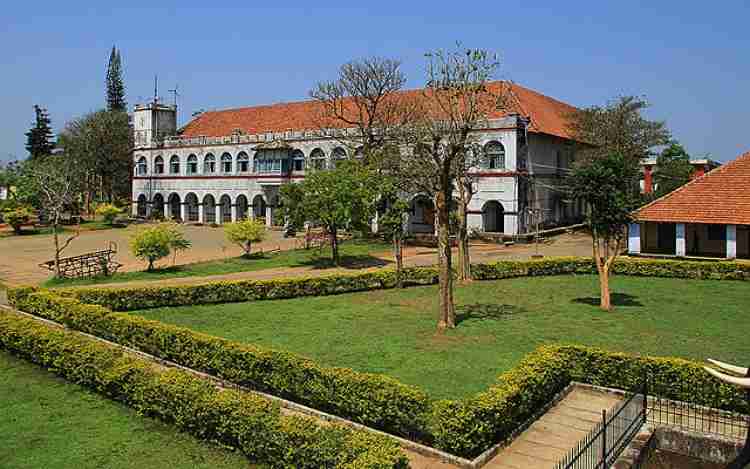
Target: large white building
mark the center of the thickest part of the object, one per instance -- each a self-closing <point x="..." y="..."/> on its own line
<point x="229" y="164"/>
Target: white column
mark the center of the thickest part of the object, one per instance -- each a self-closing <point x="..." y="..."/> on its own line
<point x="234" y="212"/>
<point x="268" y="216"/>
<point x="166" y="210"/>
<point x="731" y="241"/>
<point x="183" y="218"/>
<point x="634" y="238"/>
<point x="200" y="213"/>
<point x="680" y="239"/>
<point x="218" y="219"/>
<point x="134" y="210"/>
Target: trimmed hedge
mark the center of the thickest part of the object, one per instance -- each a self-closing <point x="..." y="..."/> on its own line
<point x="128" y="299"/>
<point x="244" y="421"/>
<point x="375" y="400"/>
<point x="470" y="426"/>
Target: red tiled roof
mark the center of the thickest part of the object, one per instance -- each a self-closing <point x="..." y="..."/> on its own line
<point x="548" y="115"/>
<point x="721" y="196"/>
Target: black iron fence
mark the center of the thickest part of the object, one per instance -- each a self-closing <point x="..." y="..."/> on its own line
<point x="696" y="418"/>
<point x="601" y="447"/>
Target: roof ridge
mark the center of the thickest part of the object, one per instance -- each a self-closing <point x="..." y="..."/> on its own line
<point x="715" y="172"/>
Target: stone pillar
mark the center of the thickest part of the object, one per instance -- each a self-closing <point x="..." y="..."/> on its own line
<point x="217" y="214"/>
<point x="634" y="238"/>
<point x="200" y="213"/>
<point x="680" y="239"/>
<point x="134" y="210"/>
<point x="183" y="206"/>
<point x="166" y="210"/>
<point x="234" y="212"/>
<point x="731" y="241"/>
<point x="268" y="215"/>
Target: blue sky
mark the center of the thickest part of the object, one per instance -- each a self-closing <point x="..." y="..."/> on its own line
<point x="689" y="58"/>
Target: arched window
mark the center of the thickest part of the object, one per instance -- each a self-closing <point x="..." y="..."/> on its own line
<point x="159" y="165"/>
<point x="226" y="163"/>
<point x="174" y="164"/>
<point x="192" y="164"/>
<point x="209" y="164"/>
<point x="338" y="154"/>
<point x="298" y="160"/>
<point x="243" y="163"/>
<point x="494" y="153"/>
<point x="317" y="159"/>
<point x="141" y="168"/>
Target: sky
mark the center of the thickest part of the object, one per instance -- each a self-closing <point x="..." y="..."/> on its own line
<point x="690" y="59"/>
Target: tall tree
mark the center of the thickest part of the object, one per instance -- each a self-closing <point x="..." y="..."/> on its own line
<point x="454" y="102"/>
<point x="618" y="127"/>
<point x="365" y="97"/>
<point x="343" y="197"/>
<point x="115" y="84"/>
<point x="40" y="139"/>
<point x="101" y="143"/>
<point x="673" y="169"/>
<point x="57" y="183"/>
<point x="608" y="186"/>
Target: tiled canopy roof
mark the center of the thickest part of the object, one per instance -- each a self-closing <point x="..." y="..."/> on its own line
<point x="548" y="115"/>
<point x="721" y="196"/>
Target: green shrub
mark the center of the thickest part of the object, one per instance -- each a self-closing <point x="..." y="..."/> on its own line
<point x="16" y="217"/>
<point x="246" y="232"/>
<point x="375" y="400"/>
<point x="240" y="420"/>
<point x="157" y="242"/>
<point x="108" y="212"/>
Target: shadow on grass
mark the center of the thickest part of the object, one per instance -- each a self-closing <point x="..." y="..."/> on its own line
<point x="347" y="262"/>
<point x="618" y="299"/>
<point x="486" y="312"/>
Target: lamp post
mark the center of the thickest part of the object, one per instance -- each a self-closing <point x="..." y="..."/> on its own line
<point x="738" y="376"/>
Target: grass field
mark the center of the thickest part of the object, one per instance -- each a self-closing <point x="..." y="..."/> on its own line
<point x="49" y="423"/>
<point x="393" y="332"/>
<point x="353" y="254"/>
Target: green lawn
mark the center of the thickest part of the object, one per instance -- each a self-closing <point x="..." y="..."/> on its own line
<point x="354" y="254"/>
<point x="393" y="332"/>
<point x="49" y="423"/>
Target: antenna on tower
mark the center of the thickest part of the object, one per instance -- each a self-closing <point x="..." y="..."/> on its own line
<point x="175" y="92"/>
<point x="156" y="89"/>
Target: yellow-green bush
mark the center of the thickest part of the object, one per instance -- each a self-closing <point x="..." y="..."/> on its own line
<point x="240" y="420"/>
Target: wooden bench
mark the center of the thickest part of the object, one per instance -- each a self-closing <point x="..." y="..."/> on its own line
<point x="87" y="265"/>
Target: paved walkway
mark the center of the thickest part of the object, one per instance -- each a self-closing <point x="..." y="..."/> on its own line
<point x="551" y="437"/>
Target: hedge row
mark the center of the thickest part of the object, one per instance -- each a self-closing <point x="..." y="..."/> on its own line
<point x="252" y="424"/>
<point x="470" y="426"/>
<point x="375" y="400"/>
<point x="128" y="299"/>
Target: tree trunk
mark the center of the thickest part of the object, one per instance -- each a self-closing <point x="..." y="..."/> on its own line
<point x="55" y="221"/>
<point x="335" y="246"/>
<point x="605" y="300"/>
<point x="150" y="267"/>
<point x="398" y="250"/>
<point x="464" y="259"/>
<point x="447" y="309"/>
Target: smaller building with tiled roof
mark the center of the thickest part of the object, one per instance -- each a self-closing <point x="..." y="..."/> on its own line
<point x="707" y="217"/>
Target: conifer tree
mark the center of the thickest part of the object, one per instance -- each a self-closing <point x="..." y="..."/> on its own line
<point x="115" y="85"/>
<point x="40" y="139"/>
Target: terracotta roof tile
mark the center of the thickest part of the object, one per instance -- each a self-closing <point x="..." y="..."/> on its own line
<point x="721" y="196"/>
<point x="548" y="115"/>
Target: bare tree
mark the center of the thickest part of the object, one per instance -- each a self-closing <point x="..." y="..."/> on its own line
<point x="57" y="183"/>
<point x="365" y="98"/>
<point x="455" y="102"/>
